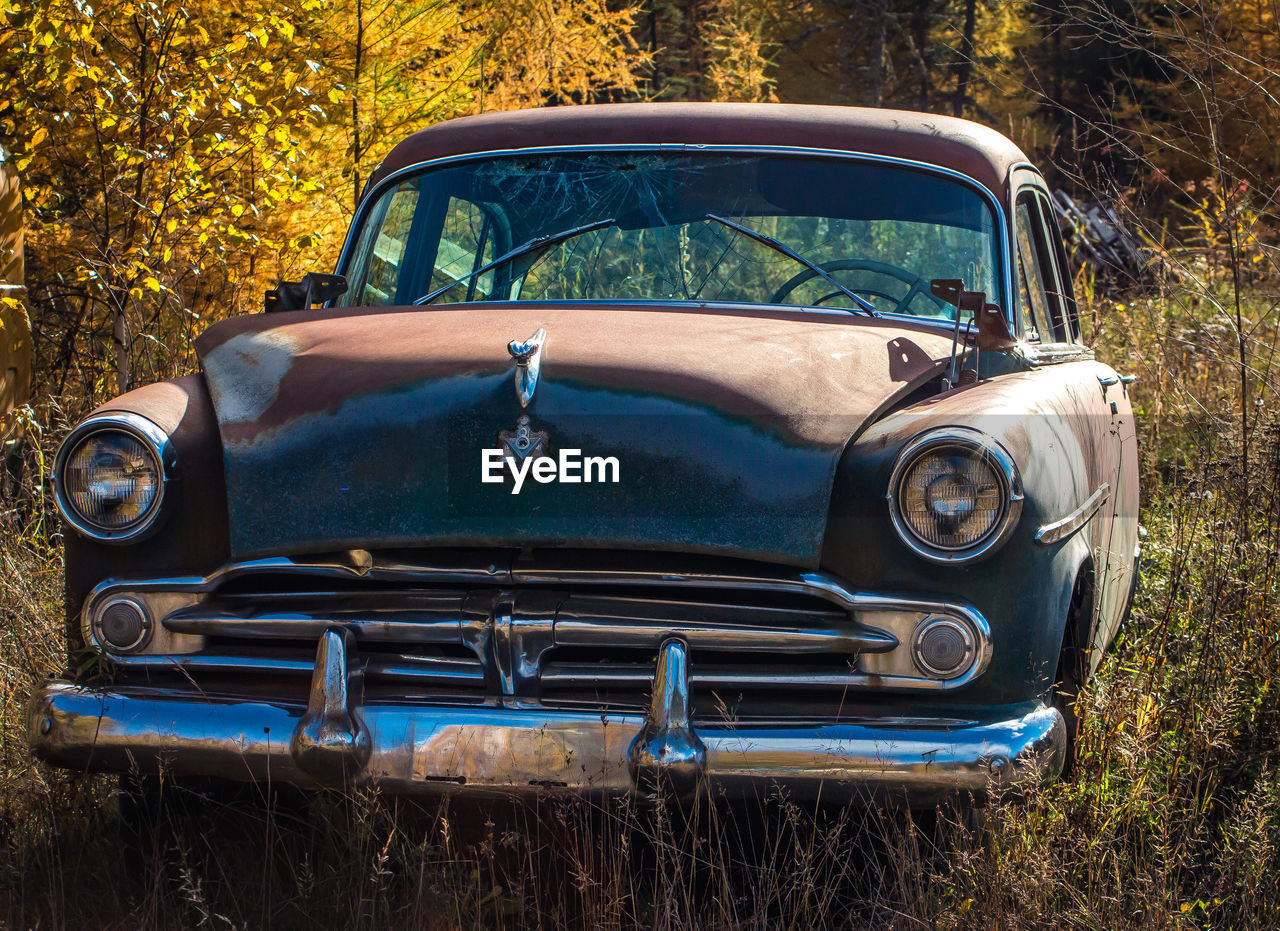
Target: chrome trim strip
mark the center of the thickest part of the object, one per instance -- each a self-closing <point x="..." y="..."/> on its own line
<point x="887" y="720"/>
<point x="1006" y="468"/>
<point x="158" y="445"/>
<point x="586" y="675"/>
<point x="364" y="565"/>
<point x="428" y="670"/>
<point x="215" y="662"/>
<point x="1003" y="226"/>
<point x="578" y="621"/>
<point x="424" y="670"/>
<point x="1052" y="533"/>
<point x="1037" y="355"/>
<point x="629" y="632"/>
<point x="199" y="619"/>
<point x="429" y="748"/>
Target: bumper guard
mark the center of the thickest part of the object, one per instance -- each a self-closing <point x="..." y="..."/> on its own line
<point x="520" y="747"/>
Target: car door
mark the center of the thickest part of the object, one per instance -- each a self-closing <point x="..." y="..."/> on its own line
<point x="1050" y="328"/>
<point x="1117" y="558"/>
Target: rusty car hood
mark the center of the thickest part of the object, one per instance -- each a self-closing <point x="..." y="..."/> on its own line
<point x="365" y="427"/>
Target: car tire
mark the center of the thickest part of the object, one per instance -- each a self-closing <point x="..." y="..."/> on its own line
<point x="1066" y="695"/>
<point x="148" y="804"/>
<point x="951" y="825"/>
<point x="1073" y="672"/>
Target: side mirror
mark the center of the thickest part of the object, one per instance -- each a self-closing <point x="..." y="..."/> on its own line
<point x="300" y="295"/>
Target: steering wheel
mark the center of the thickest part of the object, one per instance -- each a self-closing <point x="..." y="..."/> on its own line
<point x="917" y="285"/>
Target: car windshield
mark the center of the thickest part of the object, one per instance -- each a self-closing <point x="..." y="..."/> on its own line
<point x="642" y="230"/>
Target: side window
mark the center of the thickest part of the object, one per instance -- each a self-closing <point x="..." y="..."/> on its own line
<point x="468" y="241"/>
<point x="1033" y="287"/>
<point x="1067" y="320"/>
<point x="386" y="238"/>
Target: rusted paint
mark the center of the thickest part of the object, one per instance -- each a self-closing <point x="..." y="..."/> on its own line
<point x="807" y="370"/>
<point x="164" y="403"/>
<point x="250" y="367"/>
<point x="982" y="153"/>
<point x="356" y="428"/>
<point x="1057" y="425"/>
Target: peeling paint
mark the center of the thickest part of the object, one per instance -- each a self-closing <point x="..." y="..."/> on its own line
<point x="245" y="373"/>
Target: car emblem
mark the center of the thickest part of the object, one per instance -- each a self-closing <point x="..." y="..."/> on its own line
<point x="528" y="356"/>
<point x="522" y="442"/>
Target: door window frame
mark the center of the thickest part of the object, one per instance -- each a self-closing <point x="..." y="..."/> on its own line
<point x="1051" y="257"/>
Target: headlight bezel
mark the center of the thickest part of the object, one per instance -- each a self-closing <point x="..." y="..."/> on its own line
<point x="158" y="446"/>
<point x="974" y="443"/>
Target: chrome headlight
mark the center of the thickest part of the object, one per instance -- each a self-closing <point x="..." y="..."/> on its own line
<point x="955" y="495"/>
<point x="110" y="476"/>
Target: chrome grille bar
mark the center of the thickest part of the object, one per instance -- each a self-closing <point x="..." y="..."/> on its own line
<point x="579" y="621"/>
<point x="421" y="670"/>
<point x="650" y="633"/>
<point x="405" y="617"/>
<point x="267" y="626"/>
<point x="602" y="621"/>
<point x="638" y="676"/>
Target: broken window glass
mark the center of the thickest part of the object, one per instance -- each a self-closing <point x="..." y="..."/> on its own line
<point x="883" y="231"/>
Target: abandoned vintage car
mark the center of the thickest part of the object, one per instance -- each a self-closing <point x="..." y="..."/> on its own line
<point x="741" y="446"/>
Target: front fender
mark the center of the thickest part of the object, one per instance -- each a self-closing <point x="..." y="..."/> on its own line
<point x="193" y="539"/>
<point x="1055" y="424"/>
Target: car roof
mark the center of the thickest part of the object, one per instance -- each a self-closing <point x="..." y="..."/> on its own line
<point x="974" y="150"/>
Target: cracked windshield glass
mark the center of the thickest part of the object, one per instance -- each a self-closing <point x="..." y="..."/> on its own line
<point x="638" y="227"/>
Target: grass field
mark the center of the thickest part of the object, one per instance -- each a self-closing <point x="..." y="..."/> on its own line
<point x="1172" y="820"/>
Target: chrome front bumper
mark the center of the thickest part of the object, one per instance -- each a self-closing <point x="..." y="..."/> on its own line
<point x="409" y="748"/>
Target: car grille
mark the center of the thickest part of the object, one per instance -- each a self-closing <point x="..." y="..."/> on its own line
<point x="535" y="637"/>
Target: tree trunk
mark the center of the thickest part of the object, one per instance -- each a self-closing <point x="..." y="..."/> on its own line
<point x="919" y="39"/>
<point x="875" y="56"/>
<point x="355" y="106"/>
<point x="122" y="351"/>
<point x="964" y="68"/>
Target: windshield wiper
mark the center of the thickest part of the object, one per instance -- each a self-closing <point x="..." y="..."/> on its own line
<point x="538" y="242"/>
<point x="863" y="303"/>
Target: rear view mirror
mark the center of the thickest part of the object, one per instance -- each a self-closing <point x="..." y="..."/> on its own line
<point x="300" y="295"/>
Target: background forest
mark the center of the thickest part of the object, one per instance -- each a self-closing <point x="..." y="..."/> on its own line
<point x="180" y="157"/>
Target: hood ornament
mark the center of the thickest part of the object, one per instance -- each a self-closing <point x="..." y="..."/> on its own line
<point x="528" y="356"/>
